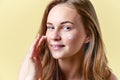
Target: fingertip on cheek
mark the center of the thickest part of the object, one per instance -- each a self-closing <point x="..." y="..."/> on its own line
<point x="44" y="37"/>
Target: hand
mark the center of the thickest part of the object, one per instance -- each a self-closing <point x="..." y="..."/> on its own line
<point x="31" y="67"/>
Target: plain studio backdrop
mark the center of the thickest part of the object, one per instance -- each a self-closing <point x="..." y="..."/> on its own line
<point x="20" y="21"/>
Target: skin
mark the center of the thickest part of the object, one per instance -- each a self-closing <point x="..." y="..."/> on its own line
<point x="71" y="34"/>
<point x="61" y="24"/>
<point x="66" y="38"/>
<point x="32" y="63"/>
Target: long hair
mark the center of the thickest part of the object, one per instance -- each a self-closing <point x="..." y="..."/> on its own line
<point x="95" y="62"/>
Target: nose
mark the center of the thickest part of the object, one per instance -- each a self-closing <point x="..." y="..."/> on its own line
<point x="56" y="35"/>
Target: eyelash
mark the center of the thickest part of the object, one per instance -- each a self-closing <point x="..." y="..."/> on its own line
<point x="50" y="27"/>
<point x="66" y="28"/>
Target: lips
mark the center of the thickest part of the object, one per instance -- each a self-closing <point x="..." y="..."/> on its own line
<point x="57" y="47"/>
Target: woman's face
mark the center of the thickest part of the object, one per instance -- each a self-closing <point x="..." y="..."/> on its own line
<point x="65" y="32"/>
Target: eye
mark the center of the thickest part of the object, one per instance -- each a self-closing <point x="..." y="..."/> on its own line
<point x="67" y="28"/>
<point x="50" y="27"/>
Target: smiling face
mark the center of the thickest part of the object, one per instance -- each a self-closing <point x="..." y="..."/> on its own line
<point x="65" y="32"/>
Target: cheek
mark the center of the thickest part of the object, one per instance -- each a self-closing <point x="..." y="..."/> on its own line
<point x="48" y="36"/>
<point x="68" y="38"/>
<point x="73" y="40"/>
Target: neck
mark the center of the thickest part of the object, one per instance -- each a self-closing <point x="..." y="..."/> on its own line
<point x="71" y="67"/>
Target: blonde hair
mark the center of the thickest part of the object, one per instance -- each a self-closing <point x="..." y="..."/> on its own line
<point x="95" y="62"/>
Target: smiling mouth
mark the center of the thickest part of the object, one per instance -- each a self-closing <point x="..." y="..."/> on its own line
<point x="57" y="47"/>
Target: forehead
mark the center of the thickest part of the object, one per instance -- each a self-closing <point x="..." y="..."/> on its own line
<point x="63" y="12"/>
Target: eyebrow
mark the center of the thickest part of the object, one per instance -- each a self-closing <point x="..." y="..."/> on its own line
<point x="64" y="22"/>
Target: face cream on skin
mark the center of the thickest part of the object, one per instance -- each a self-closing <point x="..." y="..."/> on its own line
<point x="69" y="36"/>
<point x="44" y="37"/>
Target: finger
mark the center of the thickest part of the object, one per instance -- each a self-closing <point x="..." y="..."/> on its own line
<point x="35" y="44"/>
<point x="42" y="41"/>
<point x="36" y="51"/>
<point x="40" y="45"/>
<point x="33" y="47"/>
<point x="37" y="41"/>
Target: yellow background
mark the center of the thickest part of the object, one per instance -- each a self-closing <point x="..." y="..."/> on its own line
<point x="19" y="23"/>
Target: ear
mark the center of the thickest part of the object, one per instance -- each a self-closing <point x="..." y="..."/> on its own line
<point x="87" y="38"/>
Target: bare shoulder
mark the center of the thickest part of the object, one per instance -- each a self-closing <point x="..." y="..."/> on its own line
<point x="113" y="77"/>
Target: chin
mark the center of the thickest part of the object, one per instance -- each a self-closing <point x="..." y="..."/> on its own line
<point x="57" y="56"/>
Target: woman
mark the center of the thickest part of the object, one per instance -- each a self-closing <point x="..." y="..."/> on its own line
<point x="72" y="48"/>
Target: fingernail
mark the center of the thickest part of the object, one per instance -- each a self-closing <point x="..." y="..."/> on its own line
<point x="34" y="58"/>
<point x="44" y="37"/>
